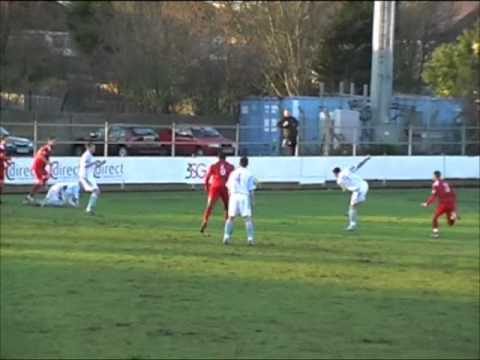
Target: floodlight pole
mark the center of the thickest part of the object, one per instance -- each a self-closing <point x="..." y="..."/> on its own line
<point x="381" y="78"/>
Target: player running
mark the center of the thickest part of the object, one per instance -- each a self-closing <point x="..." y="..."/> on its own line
<point x="4" y="162"/>
<point x="241" y="186"/>
<point x="88" y="164"/>
<point x="39" y="168"/>
<point x="348" y="180"/>
<point x="63" y="194"/>
<point x="447" y="202"/>
<point x="215" y="186"/>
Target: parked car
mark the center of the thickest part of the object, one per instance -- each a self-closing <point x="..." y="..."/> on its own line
<point x="197" y="140"/>
<point x="123" y="141"/>
<point x="17" y="145"/>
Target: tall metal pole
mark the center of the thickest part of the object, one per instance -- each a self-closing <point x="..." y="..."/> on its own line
<point x="105" y="140"/>
<point x="237" y="139"/>
<point x="381" y="79"/>
<point x="35" y="133"/>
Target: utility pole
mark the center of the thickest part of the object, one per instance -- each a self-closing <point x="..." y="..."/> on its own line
<point x="381" y="78"/>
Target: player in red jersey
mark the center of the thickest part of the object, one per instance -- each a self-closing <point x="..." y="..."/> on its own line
<point x="215" y="186"/>
<point x="39" y="168"/>
<point x="4" y="162"/>
<point x="447" y="202"/>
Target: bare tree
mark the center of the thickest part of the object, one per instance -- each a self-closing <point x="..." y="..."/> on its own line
<point x="419" y="25"/>
<point x="287" y="36"/>
<point x="153" y="50"/>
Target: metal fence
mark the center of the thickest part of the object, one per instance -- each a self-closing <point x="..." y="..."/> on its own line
<point x="178" y="139"/>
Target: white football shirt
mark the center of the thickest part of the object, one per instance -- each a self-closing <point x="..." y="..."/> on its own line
<point x="347" y="179"/>
<point x="73" y="191"/>
<point x="58" y="191"/>
<point x="86" y="170"/>
<point x="241" y="181"/>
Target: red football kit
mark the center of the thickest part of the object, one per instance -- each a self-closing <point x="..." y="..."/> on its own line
<point x="40" y="162"/>
<point x="4" y="162"/>
<point x="447" y="202"/>
<point x="215" y="185"/>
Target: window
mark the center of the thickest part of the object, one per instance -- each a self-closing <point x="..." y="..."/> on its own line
<point x="100" y="133"/>
<point x="117" y="132"/>
<point x="3" y="132"/>
<point x="205" y="132"/>
<point x="183" y="131"/>
<point x="144" y="132"/>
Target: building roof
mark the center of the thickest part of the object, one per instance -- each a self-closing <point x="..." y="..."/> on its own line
<point x="466" y="13"/>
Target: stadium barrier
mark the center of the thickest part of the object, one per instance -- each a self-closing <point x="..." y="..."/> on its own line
<point x="253" y="140"/>
<point x="302" y="170"/>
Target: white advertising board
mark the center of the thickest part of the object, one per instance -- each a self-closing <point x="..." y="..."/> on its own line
<point x="313" y="170"/>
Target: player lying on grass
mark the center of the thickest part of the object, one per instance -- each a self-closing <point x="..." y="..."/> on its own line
<point x="4" y="162"/>
<point x="63" y="195"/>
<point x="40" y="163"/>
<point x="447" y="202"/>
<point x="88" y="164"/>
<point x="241" y="186"/>
<point x="348" y="180"/>
<point x="215" y="186"/>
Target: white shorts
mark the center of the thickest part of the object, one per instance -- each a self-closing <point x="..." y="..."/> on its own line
<point x="239" y="205"/>
<point x="360" y="195"/>
<point x="51" y="201"/>
<point x="88" y="184"/>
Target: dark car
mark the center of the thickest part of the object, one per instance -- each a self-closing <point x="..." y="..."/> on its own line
<point x="17" y="145"/>
<point x="198" y="140"/>
<point x="123" y="141"/>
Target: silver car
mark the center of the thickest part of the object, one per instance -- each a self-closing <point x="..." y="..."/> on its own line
<point x="17" y="145"/>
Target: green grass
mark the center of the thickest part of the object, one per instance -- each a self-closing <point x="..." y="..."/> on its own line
<point x="139" y="281"/>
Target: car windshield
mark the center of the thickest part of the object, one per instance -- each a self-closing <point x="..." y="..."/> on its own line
<point x="100" y="133"/>
<point x="205" y="132"/>
<point x="183" y="131"/>
<point x="3" y="132"/>
<point x="144" y="132"/>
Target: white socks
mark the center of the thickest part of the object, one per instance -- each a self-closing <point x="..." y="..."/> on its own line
<point x="229" y="230"/>
<point x="352" y="216"/>
<point x="250" y="229"/>
<point x="92" y="202"/>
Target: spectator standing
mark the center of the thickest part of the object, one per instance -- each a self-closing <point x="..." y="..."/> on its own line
<point x="289" y="126"/>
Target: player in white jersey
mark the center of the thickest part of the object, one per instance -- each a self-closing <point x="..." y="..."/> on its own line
<point x="348" y="180"/>
<point x="88" y="164"/>
<point x="63" y="194"/>
<point x="241" y="186"/>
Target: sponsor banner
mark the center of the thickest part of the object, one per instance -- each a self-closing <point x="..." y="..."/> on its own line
<point x="64" y="170"/>
<point x="314" y="170"/>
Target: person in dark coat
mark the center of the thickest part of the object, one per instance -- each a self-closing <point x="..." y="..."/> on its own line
<point x="289" y="127"/>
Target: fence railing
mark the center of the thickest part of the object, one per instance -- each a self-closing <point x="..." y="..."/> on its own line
<point x="196" y="140"/>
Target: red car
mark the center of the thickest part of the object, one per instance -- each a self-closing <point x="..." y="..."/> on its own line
<point x="123" y="141"/>
<point x="197" y="140"/>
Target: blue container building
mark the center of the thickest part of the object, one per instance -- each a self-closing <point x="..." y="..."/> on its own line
<point x="260" y="136"/>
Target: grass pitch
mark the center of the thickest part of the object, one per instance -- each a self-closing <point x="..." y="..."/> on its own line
<point x="139" y="281"/>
